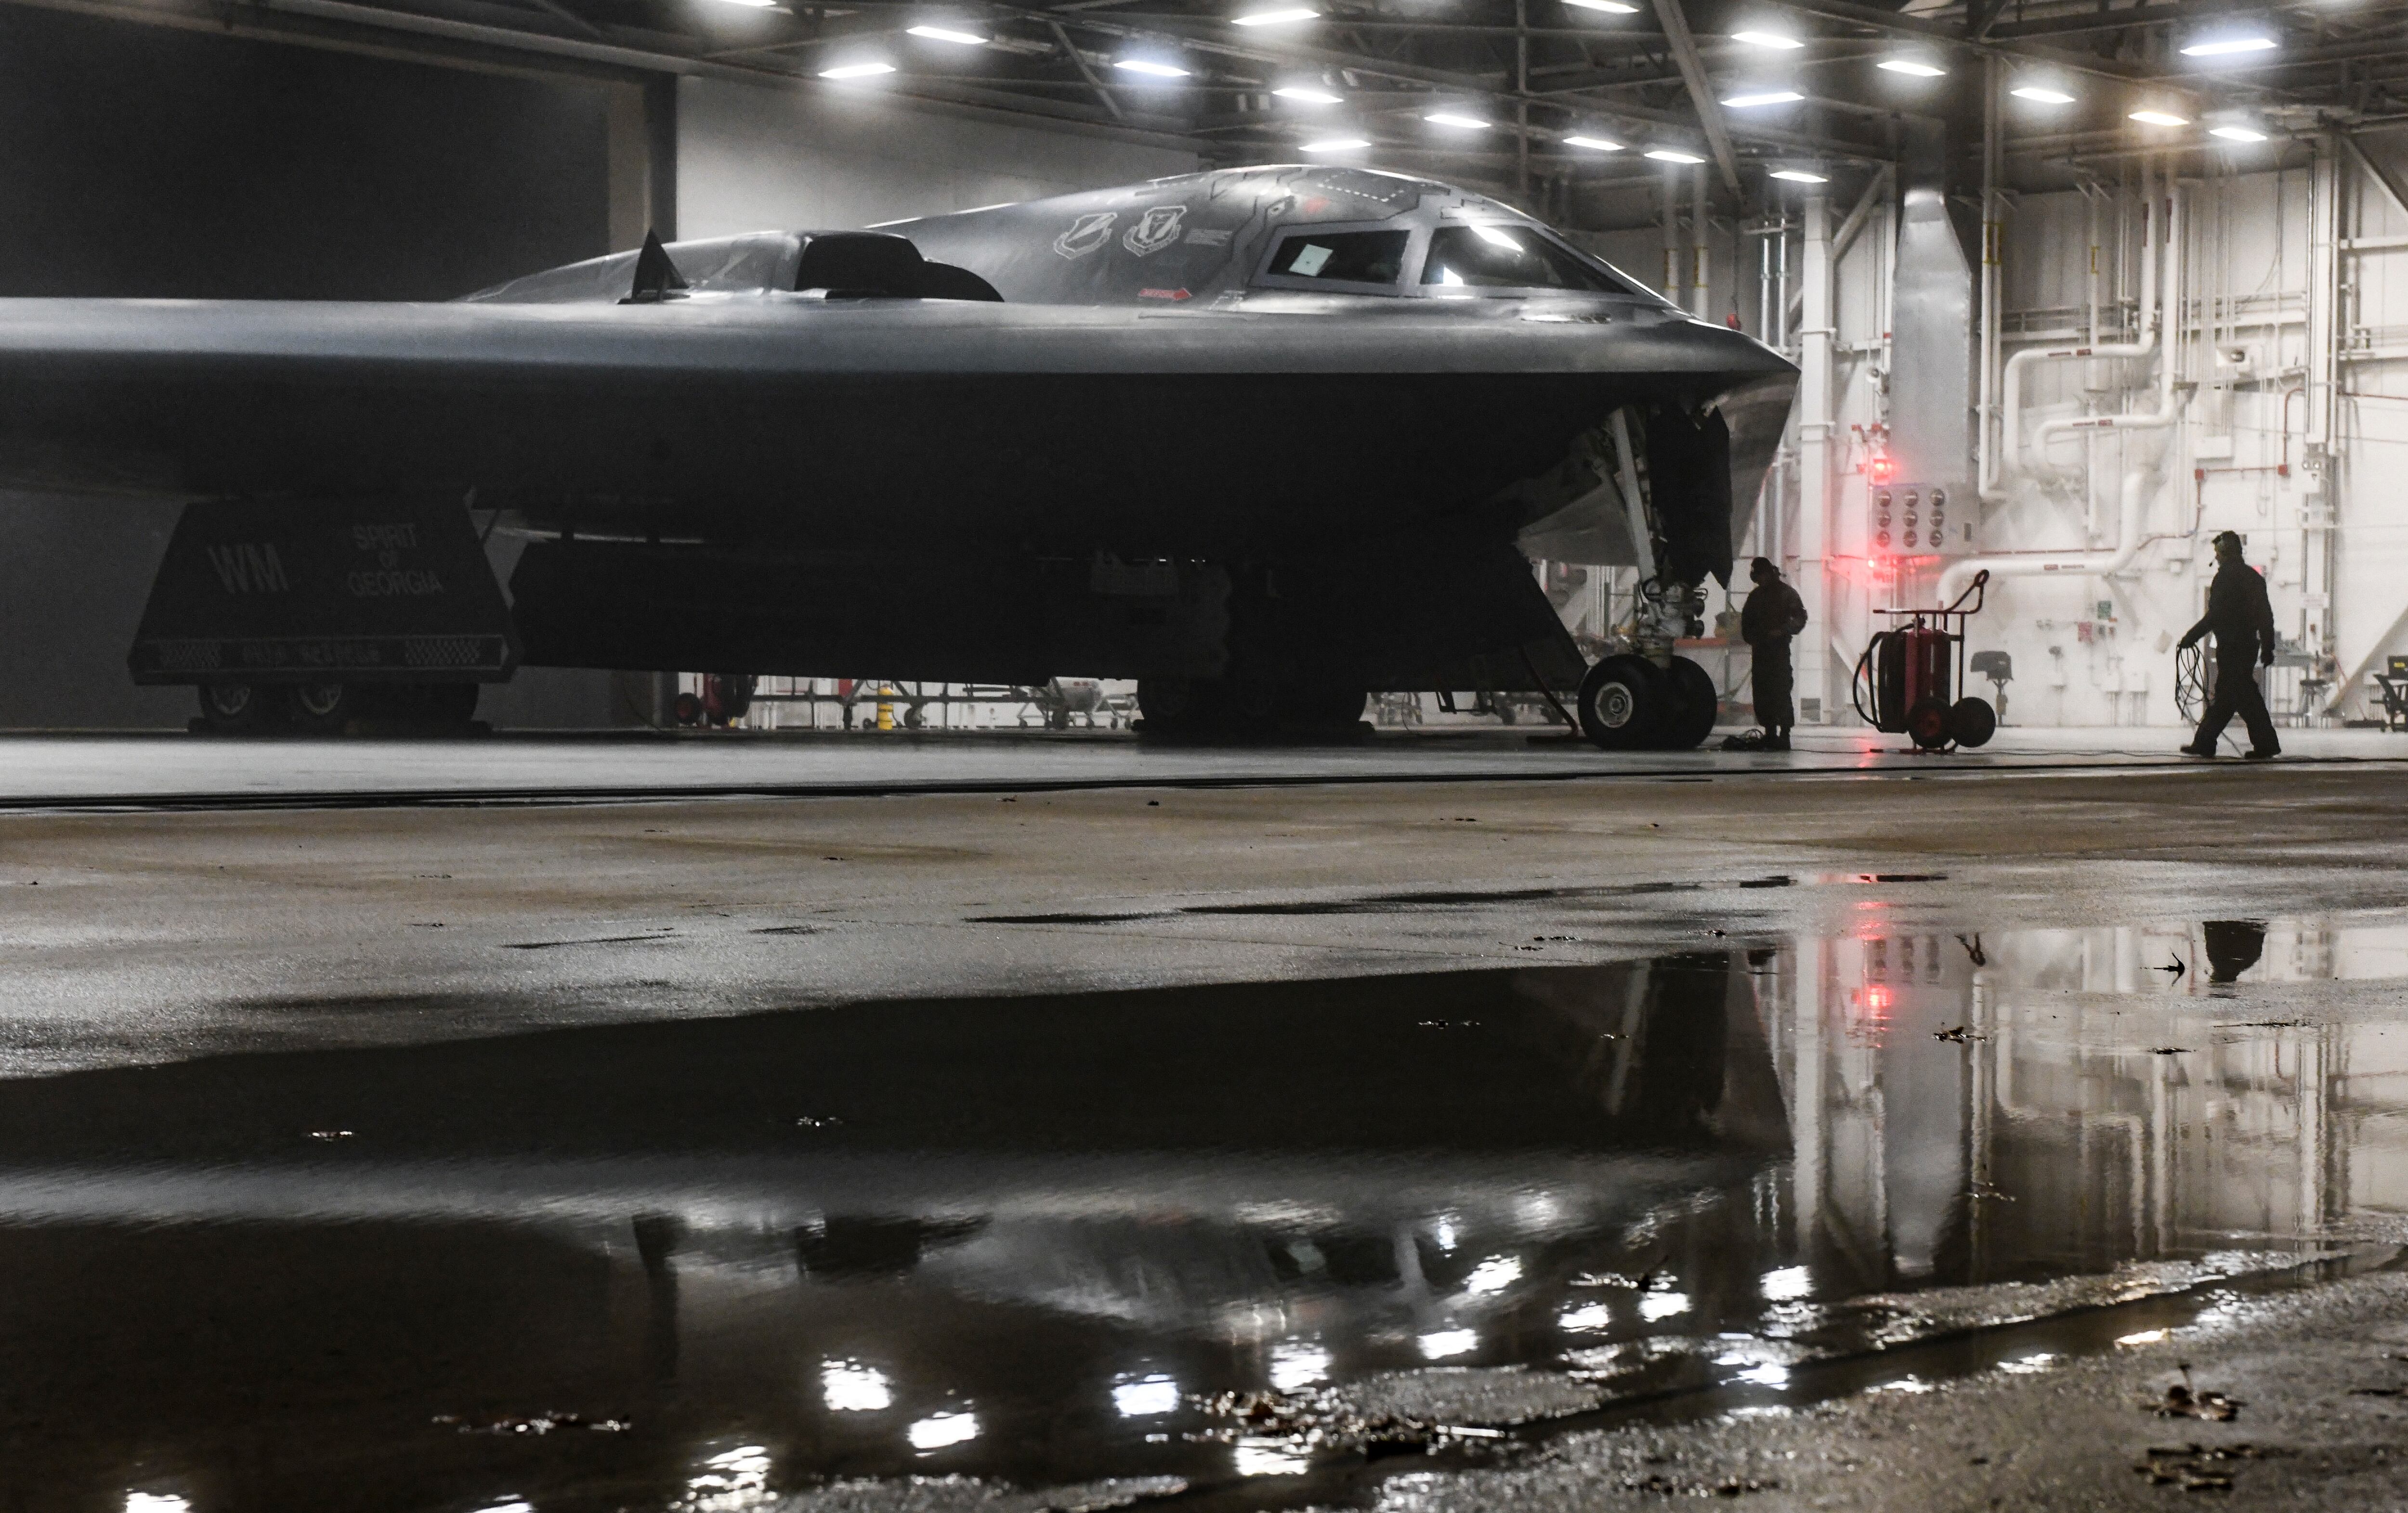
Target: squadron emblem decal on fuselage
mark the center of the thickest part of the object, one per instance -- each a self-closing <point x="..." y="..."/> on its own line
<point x="1154" y="230"/>
<point x="1087" y="234"/>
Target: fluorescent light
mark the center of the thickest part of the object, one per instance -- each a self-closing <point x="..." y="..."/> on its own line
<point x="1150" y="68"/>
<point x="754" y="5"/>
<point x="1799" y="175"/>
<point x="1666" y="154"/>
<point x="1338" y="144"/>
<point x="2225" y="47"/>
<point x="939" y="1429"/>
<point x="2159" y="118"/>
<point x="1595" y="143"/>
<point x="946" y="33"/>
<point x="2236" y="134"/>
<point x="1466" y="124"/>
<point x="1915" y="67"/>
<point x="1741" y="102"/>
<point x="1297" y="91"/>
<point x="1765" y="39"/>
<point x="2045" y="96"/>
<point x="857" y="70"/>
<point x="1612" y="7"/>
<point x="1274" y="18"/>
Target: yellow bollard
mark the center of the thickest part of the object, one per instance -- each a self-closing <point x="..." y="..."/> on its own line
<point x="885" y="710"/>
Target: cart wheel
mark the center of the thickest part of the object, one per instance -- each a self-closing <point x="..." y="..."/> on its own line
<point x="1622" y="703"/>
<point x="1926" y="724"/>
<point x="1971" y="722"/>
<point x="325" y="708"/>
<point x="1691" y="710"/>
<point x="232" y="708"/>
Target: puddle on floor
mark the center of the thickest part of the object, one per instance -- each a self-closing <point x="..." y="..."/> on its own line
<point x="1027" y="1242"/>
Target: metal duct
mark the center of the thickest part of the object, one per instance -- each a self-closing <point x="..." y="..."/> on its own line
<point x="1931" y="325"/>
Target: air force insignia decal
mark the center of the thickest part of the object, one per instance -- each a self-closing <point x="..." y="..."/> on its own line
<point x="1156" y="229"/>
<point x="1086" y="234"/>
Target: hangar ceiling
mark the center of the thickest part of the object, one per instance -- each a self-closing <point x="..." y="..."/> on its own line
<point x="1512" y="92"/>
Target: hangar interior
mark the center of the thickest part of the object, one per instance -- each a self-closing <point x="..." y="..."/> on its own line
<point x="2109" y="280"/>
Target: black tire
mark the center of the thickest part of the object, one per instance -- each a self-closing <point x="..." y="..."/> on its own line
<point x="1971" y="722"/>
<point x="1168" y="705"/>
<point x="686" y="709"/>
<point x="1691" y="704"/>
<point x="324" y="709"/>
<point x="1322" y="708"/>
<point x="1622" y="704"/>
<point x="1926" y="724"/>
<point x="238" y="709"/>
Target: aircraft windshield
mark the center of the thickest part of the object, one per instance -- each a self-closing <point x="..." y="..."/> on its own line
<point x="1509" y="257"/>
<point x="1354" y="257"/>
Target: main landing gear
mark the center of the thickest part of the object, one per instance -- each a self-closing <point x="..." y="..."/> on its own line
<point x="330" y="707"/>
<point x="1628" y="703"/>
<point x="1249" y="708"/>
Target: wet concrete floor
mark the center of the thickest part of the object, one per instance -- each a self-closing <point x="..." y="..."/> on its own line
<point x="1477" y="1148"/>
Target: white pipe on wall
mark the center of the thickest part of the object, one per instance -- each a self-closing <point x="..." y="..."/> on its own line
<point x="2139" y="479"/>
<point x="2007" y="458"/>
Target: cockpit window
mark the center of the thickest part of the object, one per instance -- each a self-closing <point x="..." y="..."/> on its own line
<point x="1509" y="257"/>
<point x="1352" y="257"/>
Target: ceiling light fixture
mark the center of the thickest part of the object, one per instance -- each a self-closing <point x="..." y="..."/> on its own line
<point x="2230" y="43"/>
<point x="857" y="70"/>
<point x="1612" y="7"/>
<point x="1767" y="39"/>
<point x="2237" y="133"/>
<point x="1744" y="102"/>
<point x="1799" y="175"/>
<point x="1666" y="154"/>
<point x="1338" y="144"/>
<point x="1275" y="18"/>
<point x="1309" y="96"/>
<point x="946" y="33"/>
<point x="1595" y="143"/>
<point x="2159" y="118"/>
<point x="1915" y="66"/>
<point x="1150" y="68"/>
<point x="1462" y="124"/>
<point x="2045" y="95"/>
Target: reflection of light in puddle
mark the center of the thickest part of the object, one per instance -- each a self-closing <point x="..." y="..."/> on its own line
<point x="1787" y="1285"/>
<point x="2146" y="1336"/>
<point x="1903" y="1384"/>
<point x="1587" y="1317"/>
<point x="1268" y="1458"/>
<point x="731" y="1480"/>
<point x="1767" y="1374"/>
<point x="1144" y="1397"/>
<point x="1494" y="1275"/>
<point x="1656" y="1305"/>
<point x="1447" y="1342"/>
<point x="162" y="1503"/>
<point x="850" y="1387"/>
<point x="1297" y="1365"/>
<point x="939" y="1429"/>
<point x="2027" y="1365"/>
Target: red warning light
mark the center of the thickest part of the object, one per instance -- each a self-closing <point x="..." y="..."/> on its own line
<point x="1882" y="469"/>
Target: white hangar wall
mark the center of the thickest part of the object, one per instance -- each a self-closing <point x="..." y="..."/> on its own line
<point x="2331" y="541"/>
<point x="751" y="158"/>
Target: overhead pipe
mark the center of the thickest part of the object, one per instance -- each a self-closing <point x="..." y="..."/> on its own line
<point x="2132" y="496"/>
<point x="1996" y="467"/>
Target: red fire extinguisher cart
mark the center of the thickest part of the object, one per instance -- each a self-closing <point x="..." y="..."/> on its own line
<point x="1906" y="682"/>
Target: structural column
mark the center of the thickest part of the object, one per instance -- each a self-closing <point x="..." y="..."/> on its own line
<point x="1815" y="427"/>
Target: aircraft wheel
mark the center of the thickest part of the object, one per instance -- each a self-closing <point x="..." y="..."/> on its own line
<point x="325" y="708"/>
<point x="1972" y="721"/>
<point x="1926" y="724"/>
<point x="1622" y="703"/>
<point x="1322" y="708"/>
<point x="236" y="708"/>
<point x="1168" y="705"/>
<point x="1690" y="709"/>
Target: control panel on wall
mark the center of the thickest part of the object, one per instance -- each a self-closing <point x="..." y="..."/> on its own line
<point x="1917" y="520"/>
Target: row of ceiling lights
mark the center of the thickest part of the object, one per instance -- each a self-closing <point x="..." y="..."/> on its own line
<point x="2228" y="40"/>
